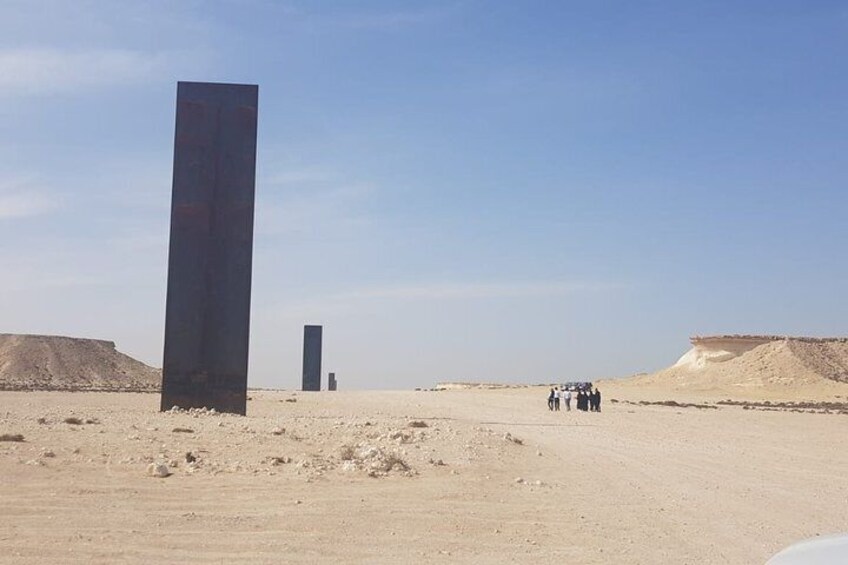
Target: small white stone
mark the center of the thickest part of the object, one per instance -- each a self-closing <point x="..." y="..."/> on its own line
<point x="158" y="470"/>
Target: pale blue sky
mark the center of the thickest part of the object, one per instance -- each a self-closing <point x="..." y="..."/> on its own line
<point x="527" y="191"/>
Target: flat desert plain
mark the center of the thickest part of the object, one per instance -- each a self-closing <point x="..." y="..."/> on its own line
<point x="457" y="476"/>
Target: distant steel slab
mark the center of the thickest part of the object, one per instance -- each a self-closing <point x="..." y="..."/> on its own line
<point x="207" y="321"/>
<point x="312" y="357"/>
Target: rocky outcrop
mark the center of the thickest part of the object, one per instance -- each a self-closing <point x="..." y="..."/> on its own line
<point x="756" y="362"/>
<point x="40" y="362"/>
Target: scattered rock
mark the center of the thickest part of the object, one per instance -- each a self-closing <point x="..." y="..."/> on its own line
<point x="401" y="436"/>
<point x="12" y="437"/>
<point x="509" y="437"/>
<point x="194" y="412"/>
<point x="183" y="431"/>
<point x="158" y="470"/>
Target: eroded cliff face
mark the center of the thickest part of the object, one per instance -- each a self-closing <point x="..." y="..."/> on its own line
<point x="757" y="362"/>
<point x="718" y="349"/>
<point x="721" y="348"/>
<point x="39" y="362"/>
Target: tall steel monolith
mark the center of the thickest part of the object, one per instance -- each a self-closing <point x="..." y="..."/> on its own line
<point x="207" y="319"/>
<point x="312" y="357"/>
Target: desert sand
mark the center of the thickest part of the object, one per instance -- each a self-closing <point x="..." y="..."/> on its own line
<point x="734" y="452"/>
<point x="494" y="477"/>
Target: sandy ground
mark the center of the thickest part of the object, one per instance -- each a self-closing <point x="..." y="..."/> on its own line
<point x="633" y="484"/>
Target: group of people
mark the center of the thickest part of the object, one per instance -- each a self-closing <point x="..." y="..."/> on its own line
<point x="586" y="400"/>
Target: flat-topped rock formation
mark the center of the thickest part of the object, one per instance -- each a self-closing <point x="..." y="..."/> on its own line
<point x="40" y="362"/>
<point x="760" y="339"/>
<point x="457" y="385"/>
<point x="756" y="362"/>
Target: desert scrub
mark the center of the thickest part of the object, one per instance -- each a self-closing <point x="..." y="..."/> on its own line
<point x="394" y="461"/>
<point x="347" y="453"/>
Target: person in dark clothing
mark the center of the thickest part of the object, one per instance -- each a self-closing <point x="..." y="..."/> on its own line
<point x="551" y="400"/>
<point x="556" y="399"/>
<point x="581" y="400"/>
<point x="597" y="400"/>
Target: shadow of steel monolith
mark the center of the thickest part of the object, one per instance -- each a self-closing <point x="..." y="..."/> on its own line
<point x="207" y="320"/>
<point x="312" y="358"/>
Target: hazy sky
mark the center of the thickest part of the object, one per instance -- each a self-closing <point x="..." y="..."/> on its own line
<point x="527" y="191"/>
